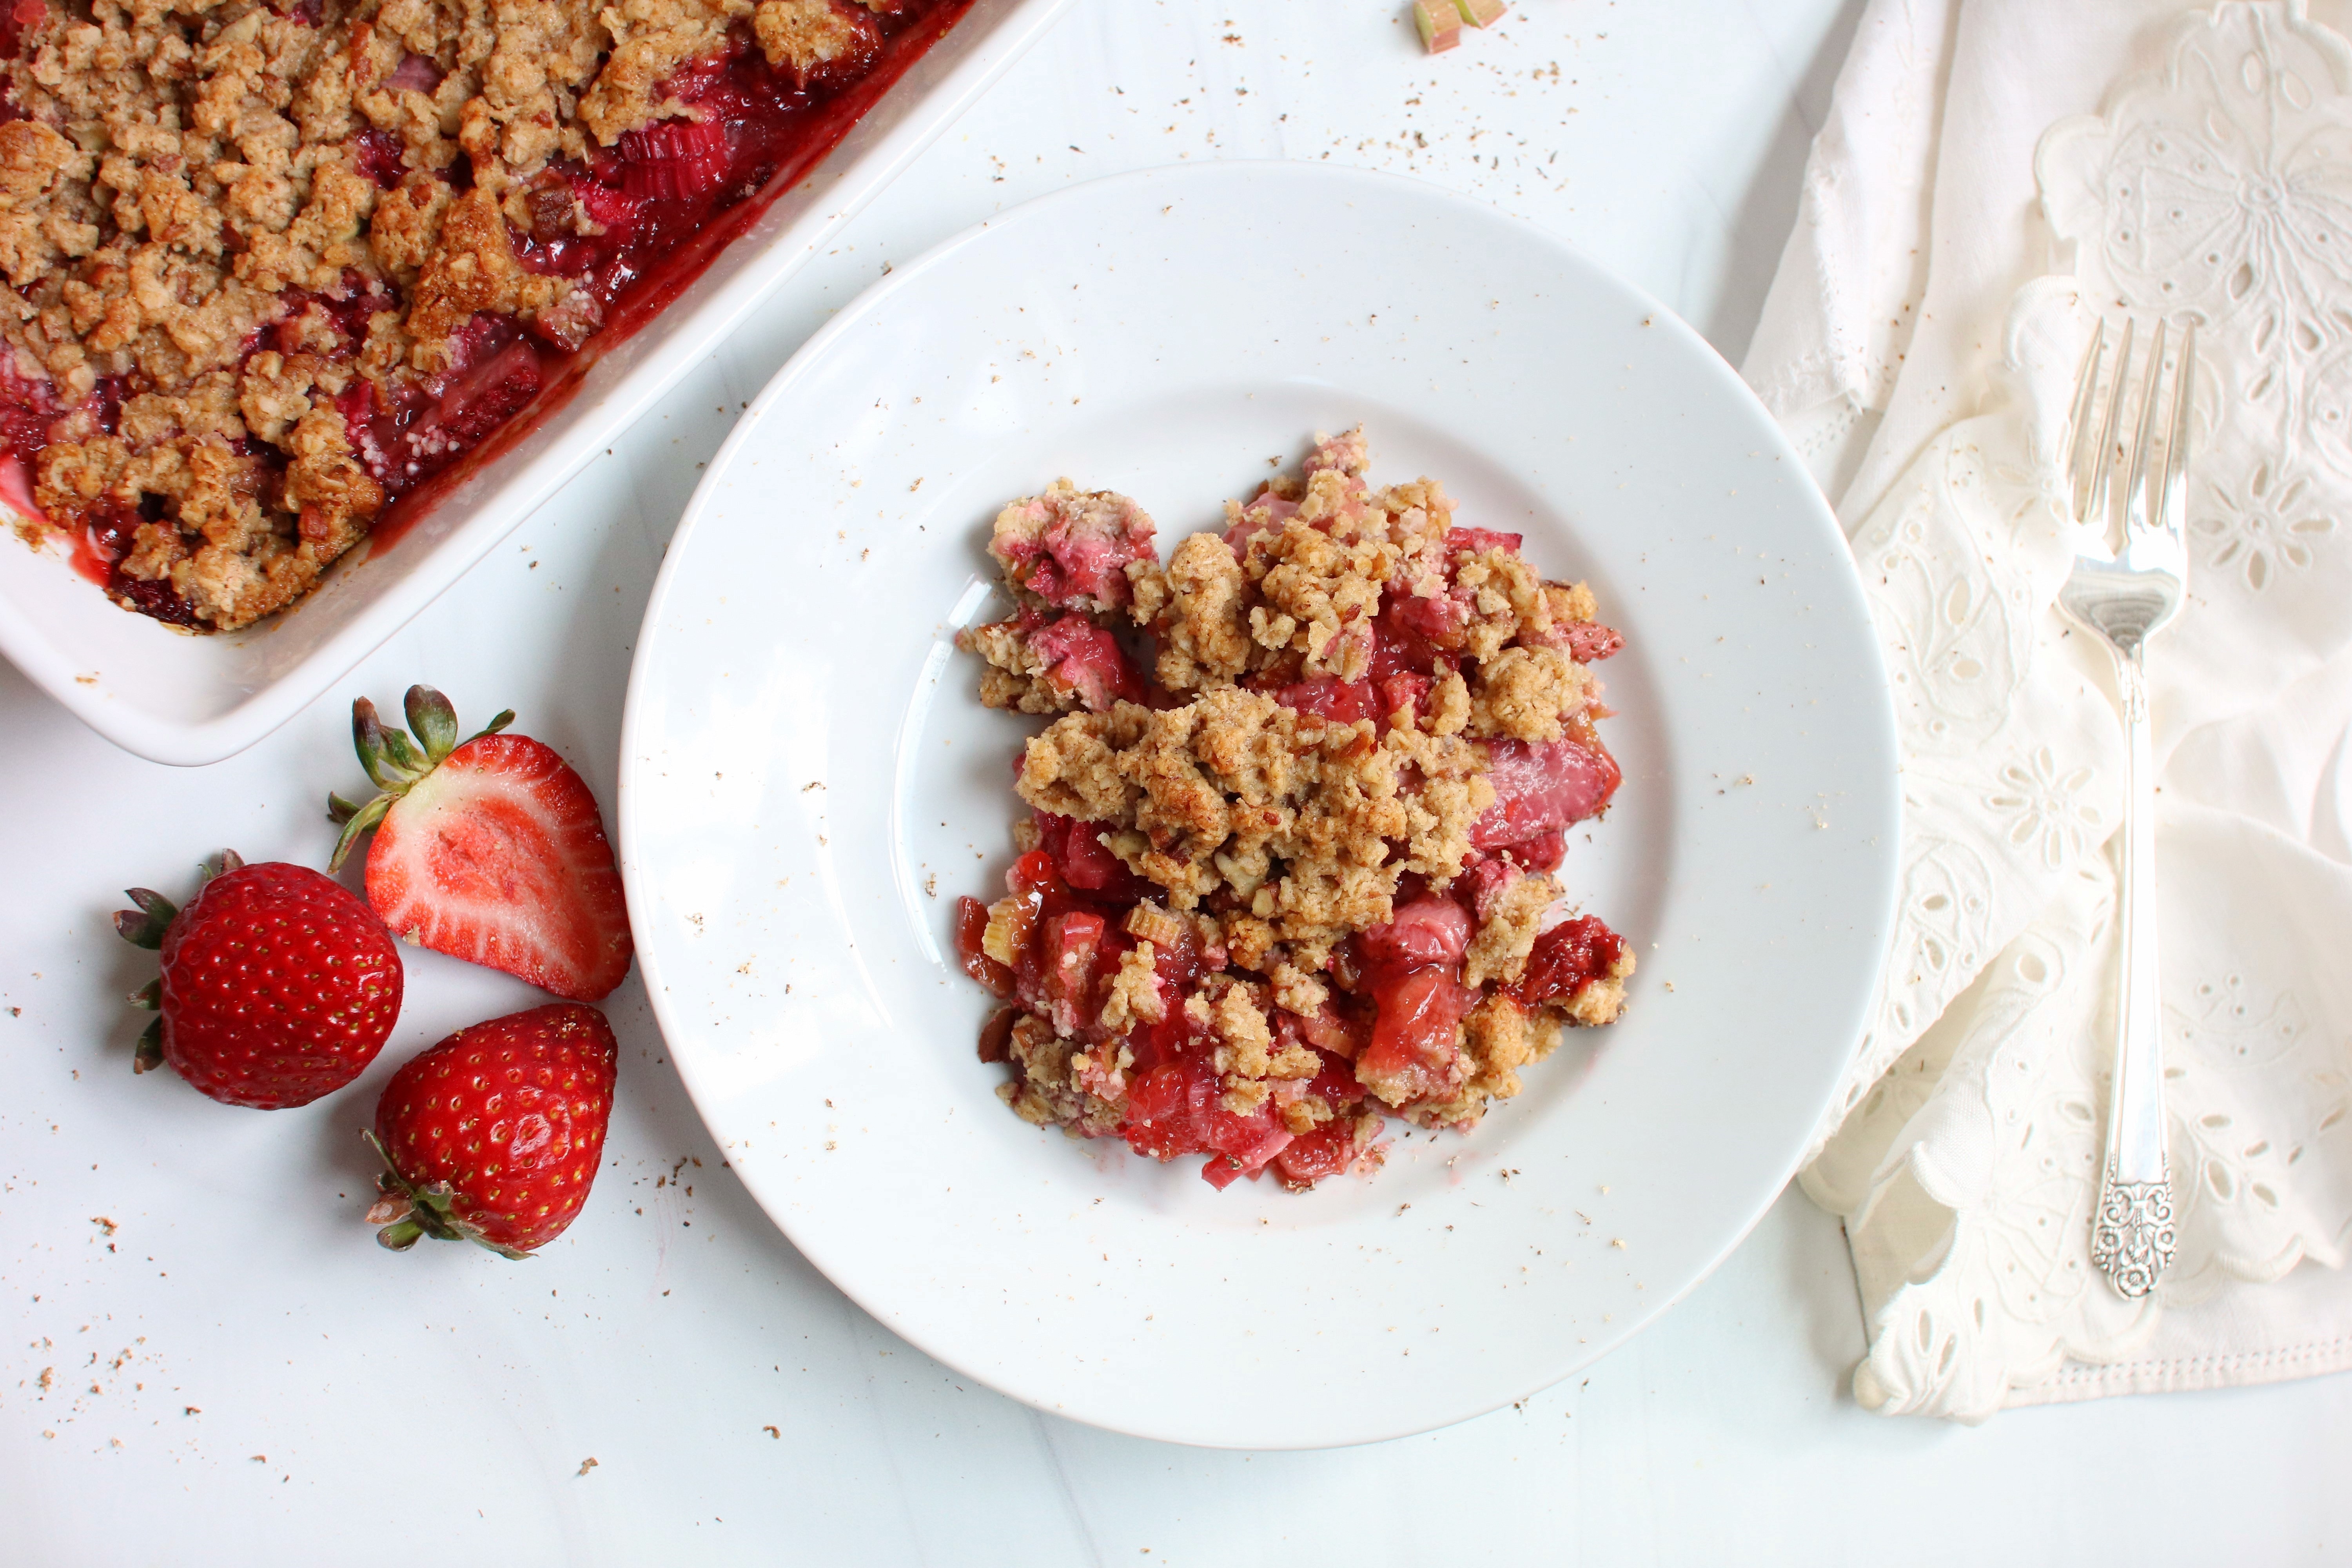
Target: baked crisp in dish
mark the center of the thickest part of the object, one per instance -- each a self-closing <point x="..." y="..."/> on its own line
<point x="275" y="279"/>
<point x="1298" y="878"/>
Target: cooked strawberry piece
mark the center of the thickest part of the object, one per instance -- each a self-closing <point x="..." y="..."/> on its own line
<point x="1403" y="693"/>
<point x="1324" y="1029"/>
<point x="490" y="393"/>
<point x="1034" y="872"/>
<point x="381" y="156"/>
<point x="17" y="488"/>
<point x="1566" y="958"/>
<point x="673" y="160"/>
<point x="1328" y="696"/>
<point x="414" y="73"/>
<point x="1543" y="786"/>
<point x="1478" y="540"/>
<point x="1327" y="1151"/>
<point x="1070" y="945"/>
<point x="1349" y="452"/>
<point x="1483" y="882"/>
<point x="27" y="409"/>
<point x="1264" y="514"/>
<point x="1542" y="852"/>
<point x="972" y="924"/>
<point x="611" y="208"/>
<point x="1415" y="1051"/>
<point x="1081" y="657"/>
<point x="1077" y="852"/>
<point x="1410" y="633"/>
<point x="1429" y="932"/>
<point x="1168" y="1110"/>
<point x="1071" y="548"/>
<point x="1589" y="642"/>
<point x="1241" y="1146"/>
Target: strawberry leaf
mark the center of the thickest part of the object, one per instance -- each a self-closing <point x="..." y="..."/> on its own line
<point x="416" y="1209"/>
<point x="145" y="926"/>
<point x="494" y="726"/>
<point x="434" y="722"/>
<point x="149" y="1054"/>
<point x="356" y="820"/>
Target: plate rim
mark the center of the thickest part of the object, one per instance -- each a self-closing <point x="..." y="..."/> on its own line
<point x="862" y="311"/>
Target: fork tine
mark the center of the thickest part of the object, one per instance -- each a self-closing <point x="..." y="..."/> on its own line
<point x="2096" y="512"/>
<point x="2174" y="506"/>
<point x="2079" y="448"/>
<point x="2135" y="488"/>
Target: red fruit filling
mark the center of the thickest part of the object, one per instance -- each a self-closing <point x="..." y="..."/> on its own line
<point x="1568" y="958"/>
<point x="1543" y="787"/>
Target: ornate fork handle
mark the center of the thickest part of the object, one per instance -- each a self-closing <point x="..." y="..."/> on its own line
<point x="2131" y="1232"/>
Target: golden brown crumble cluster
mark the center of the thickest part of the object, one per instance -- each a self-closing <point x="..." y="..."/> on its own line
<point x="186" y="173"/>
<point x="1292" y="834"/>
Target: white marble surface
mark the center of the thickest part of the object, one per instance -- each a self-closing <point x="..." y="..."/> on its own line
<point x="237" y="1374"/>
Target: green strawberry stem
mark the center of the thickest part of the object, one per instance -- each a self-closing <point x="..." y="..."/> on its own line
<point x="395" y="765"/>
<point x="144" y="927"/>
<point x="407" y="1210"/>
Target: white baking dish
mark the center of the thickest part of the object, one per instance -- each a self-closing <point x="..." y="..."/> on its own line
<point x="195" y="700"/>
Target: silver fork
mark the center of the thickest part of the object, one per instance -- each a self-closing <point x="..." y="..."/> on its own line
<point x="2126" y="595"/>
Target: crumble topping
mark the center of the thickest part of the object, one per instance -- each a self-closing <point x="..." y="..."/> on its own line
<point x="1301" y="878"/>
<point x="266" y="271"/>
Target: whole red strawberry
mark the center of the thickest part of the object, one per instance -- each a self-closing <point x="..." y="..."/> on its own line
<point x="493" y="1136"/>
<point x="492" y="851"/>
<point x="278" y="986"/>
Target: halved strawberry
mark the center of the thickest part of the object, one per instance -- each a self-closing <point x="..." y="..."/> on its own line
<point x="492" y="851"/>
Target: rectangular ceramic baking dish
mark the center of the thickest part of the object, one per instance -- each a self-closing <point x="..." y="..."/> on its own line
<point x="195" y="700"/>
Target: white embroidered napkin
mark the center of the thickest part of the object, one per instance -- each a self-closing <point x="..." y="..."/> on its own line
<point x="1994" y="175"/>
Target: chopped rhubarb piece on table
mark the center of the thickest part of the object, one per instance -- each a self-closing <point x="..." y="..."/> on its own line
<point x="1481" y="13"/>
<point x="1439" y="23"/>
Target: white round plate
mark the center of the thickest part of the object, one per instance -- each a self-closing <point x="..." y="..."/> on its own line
<point x="808" y="782"/>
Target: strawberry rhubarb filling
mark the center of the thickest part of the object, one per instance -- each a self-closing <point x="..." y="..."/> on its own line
<point x="277" y="278"/>
<point x="1289" y="864"/>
